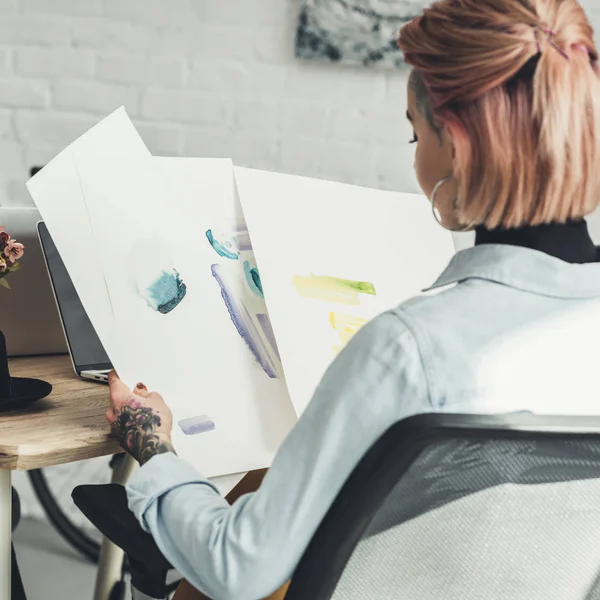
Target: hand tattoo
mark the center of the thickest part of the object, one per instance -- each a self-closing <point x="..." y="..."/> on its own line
<point x="136" y="429"/>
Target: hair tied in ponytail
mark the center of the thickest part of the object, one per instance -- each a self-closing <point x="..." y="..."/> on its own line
<point x="551" y="35"/>
<point x="492" y="82"/>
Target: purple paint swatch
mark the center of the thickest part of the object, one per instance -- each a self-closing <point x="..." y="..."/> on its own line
<point x="196" y="425"/>
<point x="265" y="324"/>
<point x="243" y="241"/>
<point x="245" y="326"/>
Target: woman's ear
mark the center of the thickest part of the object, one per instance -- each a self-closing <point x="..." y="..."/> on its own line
<point x="448" y="147"/>
<point x="447" y="139"/>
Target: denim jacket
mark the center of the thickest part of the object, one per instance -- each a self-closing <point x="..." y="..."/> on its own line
<point x="503" y="329"/>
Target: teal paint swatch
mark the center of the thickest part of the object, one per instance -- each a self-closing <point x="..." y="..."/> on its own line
<point x="253" y="279"/>
<point x="166" y="292"/>
<point x="222" y="249"/>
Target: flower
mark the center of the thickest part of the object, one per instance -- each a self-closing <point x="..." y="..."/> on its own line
<point x="10" y="252"/>
<point x="13" y="250"/>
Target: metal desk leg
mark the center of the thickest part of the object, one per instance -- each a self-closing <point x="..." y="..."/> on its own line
<point x="110" y="564"/>
<point x="5" y="533"/>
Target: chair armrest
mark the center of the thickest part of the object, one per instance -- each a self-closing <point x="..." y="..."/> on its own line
<point x="106" y="507"/>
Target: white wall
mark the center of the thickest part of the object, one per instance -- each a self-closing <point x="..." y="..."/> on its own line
<point x="200" y="78"/>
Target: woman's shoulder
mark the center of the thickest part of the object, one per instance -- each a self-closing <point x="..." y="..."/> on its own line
<point x="385" y="345"/>
<point x="402" y="329"/>
<point x="383" y="336"/>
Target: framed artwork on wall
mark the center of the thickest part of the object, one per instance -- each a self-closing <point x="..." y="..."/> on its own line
<point x="354" y="32"/>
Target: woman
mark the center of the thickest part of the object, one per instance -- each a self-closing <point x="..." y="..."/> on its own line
<point x="504" y="101"/>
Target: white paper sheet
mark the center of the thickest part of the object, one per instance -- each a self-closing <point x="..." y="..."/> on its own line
<point x="150" y="215"/>
<point x="58" y="194"/>
<point x="304" y="230"/>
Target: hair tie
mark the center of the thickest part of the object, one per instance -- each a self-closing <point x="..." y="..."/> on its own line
<point x="551" y="34"/>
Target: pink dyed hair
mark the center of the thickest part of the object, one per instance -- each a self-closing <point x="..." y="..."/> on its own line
<point x="516" y="85"/>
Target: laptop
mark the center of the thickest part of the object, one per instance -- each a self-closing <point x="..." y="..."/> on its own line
<point x="90" y="360"/>
<point x="29" y="319"/>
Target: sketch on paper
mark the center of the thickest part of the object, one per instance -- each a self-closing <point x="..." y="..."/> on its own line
<point x="355" y="32"/>
<point x="337" y="291"/>
<point x="153" y="277"/>
<point x="242" y="292"/>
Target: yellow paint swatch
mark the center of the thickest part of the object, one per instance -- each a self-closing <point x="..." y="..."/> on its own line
<point x="346" y="326"/>
<point x="332" y="289"/>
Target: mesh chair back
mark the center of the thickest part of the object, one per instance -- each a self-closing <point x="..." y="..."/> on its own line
<point x="472" y="520"/>
<point x="457" y="507"/>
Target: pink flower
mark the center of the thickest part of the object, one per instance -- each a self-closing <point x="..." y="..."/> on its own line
<point x="4" y="237"/>
<point x="14" y="250"/>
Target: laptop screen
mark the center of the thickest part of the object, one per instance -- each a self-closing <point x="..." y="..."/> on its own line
<point x="85" y="347"/>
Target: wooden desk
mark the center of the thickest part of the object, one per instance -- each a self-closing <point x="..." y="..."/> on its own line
<point x="67" y="426"/>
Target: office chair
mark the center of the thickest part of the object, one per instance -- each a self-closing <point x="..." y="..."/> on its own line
<point x="451" y="507"/>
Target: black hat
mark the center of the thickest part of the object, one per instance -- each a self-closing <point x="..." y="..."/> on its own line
<point x="15" y="392"/>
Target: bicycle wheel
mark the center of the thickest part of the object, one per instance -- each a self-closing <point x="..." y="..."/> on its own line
<point x="53" y="486"/>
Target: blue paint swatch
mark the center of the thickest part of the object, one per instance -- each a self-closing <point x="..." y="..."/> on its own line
<point x="253" y="279"/>
<point x="221" y="249"/>
<point x="166" y="292"/>
<point x="196" y="425"/>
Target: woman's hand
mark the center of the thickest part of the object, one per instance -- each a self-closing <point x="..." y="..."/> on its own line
<point x="140" y="420"/>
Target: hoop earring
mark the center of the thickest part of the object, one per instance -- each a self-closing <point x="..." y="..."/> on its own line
<point x="455" y="205"/>
<point x="434" y="195"/>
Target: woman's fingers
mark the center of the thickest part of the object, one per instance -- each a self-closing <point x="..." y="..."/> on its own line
<point x="117" y="387"/>
<point x="119" y="392"/>
<point x="141" y="390"/>
<point x="113" y="378"/>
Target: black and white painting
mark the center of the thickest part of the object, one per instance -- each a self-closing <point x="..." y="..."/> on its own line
<point x="356" y="32"/>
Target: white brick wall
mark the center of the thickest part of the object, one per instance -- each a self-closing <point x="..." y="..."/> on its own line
<point x="199" y="77"/>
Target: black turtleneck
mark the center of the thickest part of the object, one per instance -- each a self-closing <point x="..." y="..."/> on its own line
<point x="570" y="242"/>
